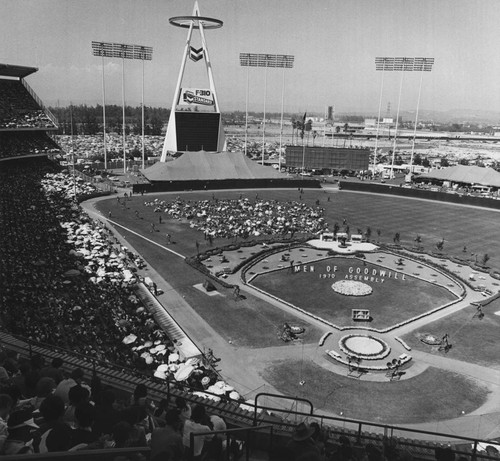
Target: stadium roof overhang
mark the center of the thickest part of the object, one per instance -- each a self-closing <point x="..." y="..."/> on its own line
<point x="8" y="70"/>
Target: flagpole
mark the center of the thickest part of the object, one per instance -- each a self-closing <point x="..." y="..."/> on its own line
<point x="303" y="145"/>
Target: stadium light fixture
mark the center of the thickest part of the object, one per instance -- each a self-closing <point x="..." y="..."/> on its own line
<point x="426" y="66"/>
<point x="400" y="64"/>
<point x="281" y="61"/>
<point x="123" y="51"/>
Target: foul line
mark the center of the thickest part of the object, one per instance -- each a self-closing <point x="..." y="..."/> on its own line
<point x="142" y="236"/>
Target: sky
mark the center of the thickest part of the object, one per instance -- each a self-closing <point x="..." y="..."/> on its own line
<point x="334" y="42"/>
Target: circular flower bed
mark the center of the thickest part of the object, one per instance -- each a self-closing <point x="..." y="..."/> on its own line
<point x="429" y="339"/>
<point x="352" y="288"/>
<point x="364" y="347"/>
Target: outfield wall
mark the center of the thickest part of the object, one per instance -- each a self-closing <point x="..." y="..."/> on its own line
<point x="167" y="186"/>
<point x="419" y="193"/>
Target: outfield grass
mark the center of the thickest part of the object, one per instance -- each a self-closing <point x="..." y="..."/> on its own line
<point x="431" y="396"/>
<point x="473" y="340"/>
<point x="459" y="225"/>
<point x="392" y="301"/>
<point x="248" y="322"/>
<point x="432" y="220"/>
<point x="434" y="394"/>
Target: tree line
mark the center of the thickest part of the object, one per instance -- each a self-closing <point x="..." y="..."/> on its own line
<point x="88" y="120"/>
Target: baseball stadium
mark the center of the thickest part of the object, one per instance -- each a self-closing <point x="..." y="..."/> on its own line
<point x="277" y="304"/>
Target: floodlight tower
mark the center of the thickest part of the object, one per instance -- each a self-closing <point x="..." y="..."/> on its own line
<point x="379" y="65"/>
<point x="123" y="51"/>
<point x="422" y="65"/>
<point x="401" y="64"/>
<point x="283" y="61"/>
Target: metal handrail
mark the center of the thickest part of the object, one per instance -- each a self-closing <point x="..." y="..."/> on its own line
<point x="229" y="432"/>
<point x="278" y="396"/>
<point x="361" y="429"/>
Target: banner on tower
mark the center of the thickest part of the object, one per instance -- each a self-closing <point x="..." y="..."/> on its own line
<point x="196" y="97"/>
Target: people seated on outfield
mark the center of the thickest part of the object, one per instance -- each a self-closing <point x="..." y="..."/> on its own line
<point x="221" y="218"/>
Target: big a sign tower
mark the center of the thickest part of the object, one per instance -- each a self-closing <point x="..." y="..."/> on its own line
<point x="195" y="120"/>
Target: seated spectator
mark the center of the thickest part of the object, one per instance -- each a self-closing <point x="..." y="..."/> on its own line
<point x="197" y="423"/>
<point x="217" y="446"/>
<point x="319" y="436"/>
<point x="373" y="453"/>
<point x="19" y="379"/>
<point x="33" y="375"/>
<point x="4" y="376"/>
<point x="44" y="388"/>
<point x="444" y="454"/>
<point x="343" y="452"/>
<point x="136" y="417"/>
<point x="168" y="438"/>
<point x="6" y="406"/>
<point x="53" y="370"/>
<point x="76" y="395"/>
<point x="82" y="434"/>
<point x="11" y="364"/>
<point x="124" y="435"/>
<point x="62" y="389"/>
<point x="53" y="434"/>
<point x="302" y="446"/>
<point x="20" y="439"/>
<point x="106" y="415"/>
<point x="183" y="408"/>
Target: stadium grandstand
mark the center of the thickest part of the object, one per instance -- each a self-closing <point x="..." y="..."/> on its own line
<point x="92" y="369"/>
<point x="25" y="123"/>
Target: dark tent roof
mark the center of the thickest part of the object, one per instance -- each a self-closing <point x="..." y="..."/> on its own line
<point x="466" y="174"/>
<point x="8" y="70"/>
<point x="210" y="166"/>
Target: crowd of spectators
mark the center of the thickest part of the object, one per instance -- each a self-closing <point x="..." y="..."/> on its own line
<point x="43" y="409"/>
<point x="91" y="146"/>
<point x="221" y="218"/>
<point x="18" y="144"/>
<point x="63" y="279"/>
<point x="18" y="109"/>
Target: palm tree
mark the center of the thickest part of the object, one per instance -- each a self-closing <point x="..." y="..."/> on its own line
<point x="378" y="235"/>
<point x="418" y="241"/>
<point x="440" y="245"/>
<point x="485" y="259"/>
<point x="368" y="233"/>
<point x="397" y="238"/>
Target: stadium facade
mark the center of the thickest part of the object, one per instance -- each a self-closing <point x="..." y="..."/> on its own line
<point x="25" y="123"/>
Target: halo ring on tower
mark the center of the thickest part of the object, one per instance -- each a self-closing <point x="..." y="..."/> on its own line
<point x="187" y="21"/>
